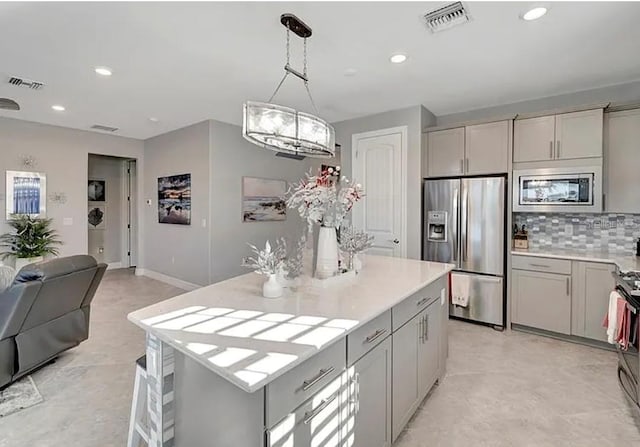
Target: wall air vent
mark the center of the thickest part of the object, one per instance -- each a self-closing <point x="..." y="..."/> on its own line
<point x="9" y="104"/>
<point x="26" y="83"/>
<point x="446" y="17"/>
<point x="104" y="128"/>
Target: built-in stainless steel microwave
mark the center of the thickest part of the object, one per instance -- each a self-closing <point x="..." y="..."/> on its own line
<point x="562" y="190"/>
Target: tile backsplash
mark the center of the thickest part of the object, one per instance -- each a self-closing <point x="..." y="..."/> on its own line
<point x="615" y="233"/>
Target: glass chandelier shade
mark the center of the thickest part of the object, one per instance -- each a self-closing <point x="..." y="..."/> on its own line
<point x="284" y="129"/>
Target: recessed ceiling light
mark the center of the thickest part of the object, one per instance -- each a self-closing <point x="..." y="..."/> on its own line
<point x="350" y="72"/>
<point x="154" y="119"/>
<point x="535" y="13"/>
<point x="58" y="108"/>
<point x="103" y="71"/>
<point x="398" y="58"/>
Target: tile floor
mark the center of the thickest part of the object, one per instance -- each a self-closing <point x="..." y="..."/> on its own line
<point x="500" y="390"/>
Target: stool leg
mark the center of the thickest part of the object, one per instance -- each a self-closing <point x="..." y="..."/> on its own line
<point x="133" y="440"/>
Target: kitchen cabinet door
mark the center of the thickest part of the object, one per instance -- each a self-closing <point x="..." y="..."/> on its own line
<point x="621" y="161"/>
<point x="487" y="148"/>
<point x="405" y="396"/>
<point x="541" y="300"/>
<point x="579" y="134"/>
<point x="593" y="283"/>
<point x="534" y="139"/>
<point x="429" y="348"/>
<point x="445" y="152"/>
<point x="372" y="426"/>
<point x="444" y="331"/>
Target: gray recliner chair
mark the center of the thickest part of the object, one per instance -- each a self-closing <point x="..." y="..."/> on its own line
<point x="45" y="312"/>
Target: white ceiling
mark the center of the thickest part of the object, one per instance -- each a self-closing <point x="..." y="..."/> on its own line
<point x="187" y="62"/>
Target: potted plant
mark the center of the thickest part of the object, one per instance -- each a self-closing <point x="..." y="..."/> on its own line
<point x="31" y="239"/>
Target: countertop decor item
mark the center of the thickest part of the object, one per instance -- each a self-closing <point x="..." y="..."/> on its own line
<point x="520" y="237"/>
<point x="29" y="241"/>
<point x="268" y="262"/>
<point x="325" y="199"/>
<point x="284" y="129"/>
<point x="352" y="242"/>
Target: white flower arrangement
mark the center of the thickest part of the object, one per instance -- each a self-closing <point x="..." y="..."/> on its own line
<point x="325" y="198"/>
<point x="354" y="241"/>
<point x="268" y="261"/>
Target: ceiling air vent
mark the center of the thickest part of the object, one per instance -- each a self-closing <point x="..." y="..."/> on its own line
<point x="9" y="104"/>
<point x="26" y="83"/>
<point x="104" y="128"/>
<point x="446" y="17"/>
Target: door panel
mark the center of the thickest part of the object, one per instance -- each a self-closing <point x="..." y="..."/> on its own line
<point x="405" y="375"/>
<point x="579" y="134"/>
<point x="593" y="284"/>
<point x="429" y="348"/>
<point x="442" y="195"/>
<point x="445" y="152"/>
<point x="533" y="139"/>
<point x="485" y="299"/>
<point x="482" y="225"/>
<point x="377" y="166"/>
<point x="487" y="148"/>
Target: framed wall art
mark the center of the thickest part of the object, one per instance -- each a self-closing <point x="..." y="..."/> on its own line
<point x="174" y="199"/>
<point x="26" y="193"/>
<point x="263" y="200"/>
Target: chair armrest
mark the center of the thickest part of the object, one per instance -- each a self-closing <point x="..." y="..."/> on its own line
<point x="15" y="303"/>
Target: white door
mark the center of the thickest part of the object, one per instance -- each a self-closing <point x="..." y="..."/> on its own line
<point x="377" y="160"/>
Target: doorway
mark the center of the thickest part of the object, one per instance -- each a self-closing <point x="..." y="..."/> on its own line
<point x="379" y="161"/>
<point x="112" y="210"/>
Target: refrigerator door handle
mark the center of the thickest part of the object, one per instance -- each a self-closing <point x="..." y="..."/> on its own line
<point x="456" y="236"/>
<point x="465" y="223"/>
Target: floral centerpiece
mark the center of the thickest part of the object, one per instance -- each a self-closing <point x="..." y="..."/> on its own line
<point x="325" y="199"/>
<point x="352" y="242"/>
<point x="268" y="262"/>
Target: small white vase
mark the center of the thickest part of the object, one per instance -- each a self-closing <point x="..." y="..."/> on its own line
<point x="327" y="253"/>
<point x="271" y="287"/>
<point x="357" y="263"/>
<point x="21" y="262"/>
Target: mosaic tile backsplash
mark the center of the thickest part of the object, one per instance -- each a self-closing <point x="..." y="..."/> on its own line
<point x="615" y="233"/>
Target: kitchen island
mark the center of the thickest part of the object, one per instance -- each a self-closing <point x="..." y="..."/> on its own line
<point x="228" y="368"/>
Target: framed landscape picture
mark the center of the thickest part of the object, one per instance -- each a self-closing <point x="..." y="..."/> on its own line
<point x="263" y="200"/>
<point x="96" y="191"/>
<point x="174" y="199"/>
<point x="26" y="194"/>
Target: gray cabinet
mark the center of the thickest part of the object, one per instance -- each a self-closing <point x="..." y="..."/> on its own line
<point x="541" y="300"/>
<point x="621" y="161"/>
<point x="373" y="408"/>
<point x="487" y="148"/>
<point x="445" y="152"/>
<point x="416" y="347"/>
<point x="559" y="137"/>
<point x="593" y="284"/>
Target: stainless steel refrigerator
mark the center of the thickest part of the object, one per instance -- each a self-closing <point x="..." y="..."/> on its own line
<point x="464" y="224"/>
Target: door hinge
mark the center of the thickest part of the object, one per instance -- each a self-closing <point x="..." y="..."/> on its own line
<point x="129" y="199"/>
<point x="128" y="253"/>
<point x="128" y="226"/>
<point x="128" y="171"/>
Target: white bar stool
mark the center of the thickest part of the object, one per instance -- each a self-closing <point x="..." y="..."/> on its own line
<point x="138" y="431"/>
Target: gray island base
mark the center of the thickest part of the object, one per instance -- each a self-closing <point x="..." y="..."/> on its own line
<point x="345" y="365"/>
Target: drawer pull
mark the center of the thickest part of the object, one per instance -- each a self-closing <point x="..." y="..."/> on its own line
<point x="543" y="266"/>
<point x="377" y="334"/>
<point x="309" y="415"/>
<point x="422" y="301"/>
<point x="321" y="375"/>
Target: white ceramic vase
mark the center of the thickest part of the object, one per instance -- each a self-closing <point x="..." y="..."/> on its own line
<point x="271" y="287"/>
<point x="357" y="263"/>
<point x="21" y="262"/>
<point x="327" y="253"/>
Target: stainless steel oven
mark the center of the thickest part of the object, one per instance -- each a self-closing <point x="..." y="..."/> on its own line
<point x="563" y="190"/>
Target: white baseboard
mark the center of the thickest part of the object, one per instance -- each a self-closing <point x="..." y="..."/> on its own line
<point x="167" y="279"/>
<point x="114" y="265"/>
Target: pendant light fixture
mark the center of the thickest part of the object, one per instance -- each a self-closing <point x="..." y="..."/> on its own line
<point x="284" y="129"/>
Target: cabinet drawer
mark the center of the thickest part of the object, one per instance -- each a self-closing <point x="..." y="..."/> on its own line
<point x="538" y="264"/>
<point x="407" y="309"/>
<point x="367" y="337"/>
<point x="288" y="391"/>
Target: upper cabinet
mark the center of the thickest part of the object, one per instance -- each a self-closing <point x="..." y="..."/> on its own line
<point x="470" y="150"/>
<point x="559" y="137"/>
<point x="622" y="158"/>
<point x="445" y="152"/>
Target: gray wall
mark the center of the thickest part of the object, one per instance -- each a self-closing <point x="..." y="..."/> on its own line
<point x="179" y="251"/>
<point x="109" y="169"/>
<point x="63" y="155"/>
<point x="232" y="157"/>
<point x="617" y="93"/>
<point x="415" y="118"/>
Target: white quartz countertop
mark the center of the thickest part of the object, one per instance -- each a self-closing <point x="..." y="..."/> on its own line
<point x="626" y="263"/>
<point x="232" y="330"/>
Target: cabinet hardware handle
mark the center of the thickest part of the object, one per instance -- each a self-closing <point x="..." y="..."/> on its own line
<point x="377" y="334"/>
<point x="540" y="265"/>
<point x="355" y="400"/>
<point x="467" y="162"/>
<point x="321" y="375"/>
<point x="462" y="165"/>
<point x="426" y="328"/>
<point x="422" y="301"/>
<point x="309" y="415"/>
<point x="568" y="286"/>
<point x="604" y="202"/>
<point x="558" y="149"/>
<point x="421" y="330"/>
<point x="551" y="149"/>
